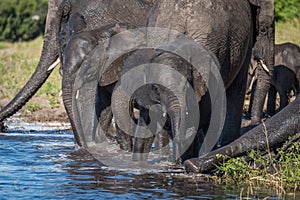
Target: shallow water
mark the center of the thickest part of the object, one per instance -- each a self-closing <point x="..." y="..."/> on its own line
<point x="40" y="161"/>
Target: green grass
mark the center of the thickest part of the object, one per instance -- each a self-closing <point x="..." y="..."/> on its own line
<point x="287" y="32"/>
<point x="264" y="171"/>
<point x="33" y="107"/>
<point x="17" y="63"/>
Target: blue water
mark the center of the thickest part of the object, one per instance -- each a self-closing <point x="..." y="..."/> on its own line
<point x="41" y="162"/>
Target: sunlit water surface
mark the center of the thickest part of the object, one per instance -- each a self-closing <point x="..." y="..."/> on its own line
<point x="40" y="161"/>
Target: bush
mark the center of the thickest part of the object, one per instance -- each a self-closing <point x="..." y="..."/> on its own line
<point x="287" y="10"/>
<point x="22" y="19"/>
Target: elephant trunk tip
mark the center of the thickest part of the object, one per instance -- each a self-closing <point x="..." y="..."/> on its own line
<point x="191" y="166"/>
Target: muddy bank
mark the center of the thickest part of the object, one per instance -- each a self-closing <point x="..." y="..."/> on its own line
<point x="44" y="113"/>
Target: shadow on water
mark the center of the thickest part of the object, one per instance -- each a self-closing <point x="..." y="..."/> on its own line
<point x="44" y="163"/>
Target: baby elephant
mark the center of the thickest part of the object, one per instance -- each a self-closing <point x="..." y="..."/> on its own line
<point x="286" y="76"/>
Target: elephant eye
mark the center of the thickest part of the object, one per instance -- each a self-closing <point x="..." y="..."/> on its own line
<point x="263" y="30"/>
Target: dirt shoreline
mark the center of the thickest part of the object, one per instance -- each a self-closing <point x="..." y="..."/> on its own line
<point x="44" y="114"/>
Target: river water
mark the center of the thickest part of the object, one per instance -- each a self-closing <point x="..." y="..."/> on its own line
<point x="40" y="161"/>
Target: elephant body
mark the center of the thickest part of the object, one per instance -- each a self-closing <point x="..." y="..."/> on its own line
<point x="226" y="29"/>
<point x="286" y="77"/>
<point x="263" y="51"/>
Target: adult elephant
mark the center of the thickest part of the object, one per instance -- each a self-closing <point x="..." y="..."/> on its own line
<point x="96" y="14"/>
<point x="263" y="53"/>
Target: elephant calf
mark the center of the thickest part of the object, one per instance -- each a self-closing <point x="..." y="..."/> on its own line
<point x="286" y="76"/>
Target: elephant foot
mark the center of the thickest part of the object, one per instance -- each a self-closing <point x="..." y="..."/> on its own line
<point x="125" y="143"/>
<point x="3" y="128"/>
<point x="125" y="146"/>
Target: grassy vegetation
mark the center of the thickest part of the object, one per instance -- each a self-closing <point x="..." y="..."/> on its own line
<point x="17" y="63"/>
<point x="288" y="32"/>
<point x="279" y="173"/>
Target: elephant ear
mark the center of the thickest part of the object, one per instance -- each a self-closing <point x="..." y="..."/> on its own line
<point x="255" y="7"/>
<point x="126" y="63"/>
<point x="113" y="73"/>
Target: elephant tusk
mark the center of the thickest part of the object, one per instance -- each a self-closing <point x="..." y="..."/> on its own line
<point x="60" y="94"/>
<point x="77" y="94"/>
<point x="264" y="66"/>
<point x="252" y="82"/>
<point x="53" y="65"/>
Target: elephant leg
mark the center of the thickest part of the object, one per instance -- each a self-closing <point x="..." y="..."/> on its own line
<point x="161" y="142"/>
<point x="124" y="139"/>
<point x="104" y="113"/>
<point x="143" y="137"/>
<point x="284" y="99"/>
<point x="141" y="148"/>
<point x="271" y="106"/>
<point x="235" y="100"/>
<point x="249" y="113"/>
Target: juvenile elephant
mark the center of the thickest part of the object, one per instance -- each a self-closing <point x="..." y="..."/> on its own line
<point x="284" y="81"/>
<point x="165" y="101"/>
<point x="286" y="76"/>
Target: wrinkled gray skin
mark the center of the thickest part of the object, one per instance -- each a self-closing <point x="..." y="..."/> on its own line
<point x="272" y="132"/>
<point x="166" y="94"/>
<point x="263" y="51"/>
<point x="284" y="79"/>
<point x="96" y="14"/>
<point x="184" y="20"/>
<point x="212" y="23"/>
<point x="286" y="76"/>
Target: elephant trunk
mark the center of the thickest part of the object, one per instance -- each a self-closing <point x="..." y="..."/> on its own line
<point x="67" y="94"/>
<point x="263" y="51"/>
<point x="274" y="131"/>
<point x="175" y="108"/>
<point x="48" y="57"/>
